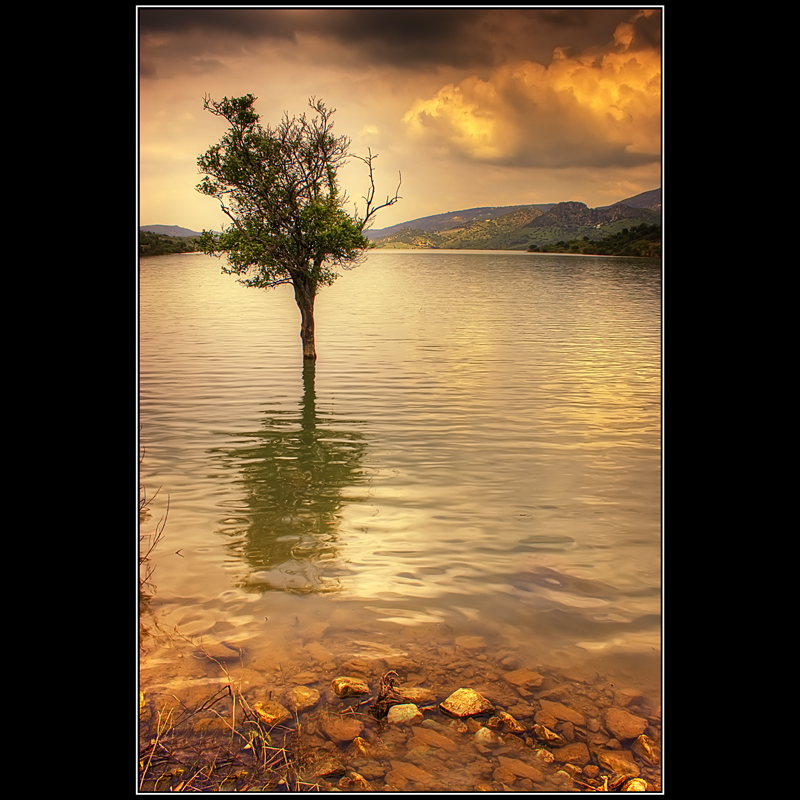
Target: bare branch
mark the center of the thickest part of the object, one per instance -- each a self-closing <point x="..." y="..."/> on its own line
<point x="371" y="210"/>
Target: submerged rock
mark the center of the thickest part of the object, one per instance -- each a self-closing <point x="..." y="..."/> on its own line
<point x="624" y="725"/>
<point x="270" y="712"/>
<point x="345" y="686"/>
<point x="466" y="703"/>
<point x="564" y="713"/>
<point x="218" y="651"/>
<point x="417" y="695"/>
<point x="521" y="769"/>
<point x="486" y="736"/>
<point x="302" y="698"/>
<point x="341" y="729"/>
<point x="645" y="749"/>
<point x="577" y="753"/>
<point x="402" y="772"/>
<point x="433" y="738"/>
<point x="404" y="714"/>
<point x="503" y="720"/>
<point x="525" y="678"/>
<point x="617" y="761"/>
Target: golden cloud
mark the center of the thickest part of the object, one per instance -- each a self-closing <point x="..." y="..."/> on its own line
<point x="591" y="110"/>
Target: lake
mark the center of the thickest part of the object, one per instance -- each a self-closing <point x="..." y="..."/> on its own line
<point x="476" y="453"/>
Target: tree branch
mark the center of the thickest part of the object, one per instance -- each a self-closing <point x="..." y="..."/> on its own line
<point x="370" y="211"/>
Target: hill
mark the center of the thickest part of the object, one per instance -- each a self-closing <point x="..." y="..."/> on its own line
<point x="504" y="227"/>
<point x="520" y="227"/>
<point x="169" y="230"/>
<point x="453" y="219"/>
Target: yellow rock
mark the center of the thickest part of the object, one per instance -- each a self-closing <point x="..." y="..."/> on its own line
<point x="345" y="686"/>
<point x="270" y="712"/>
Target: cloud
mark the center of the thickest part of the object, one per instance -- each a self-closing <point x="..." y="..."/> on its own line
<point x="599" y="109"/>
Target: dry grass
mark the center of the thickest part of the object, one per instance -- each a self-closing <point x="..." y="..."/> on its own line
<point x="202" y="748"/>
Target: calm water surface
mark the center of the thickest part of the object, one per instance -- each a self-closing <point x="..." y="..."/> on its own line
<point x="476" y="451"/>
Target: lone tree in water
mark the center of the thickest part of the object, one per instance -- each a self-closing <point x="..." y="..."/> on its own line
<point x="279" y="188"/>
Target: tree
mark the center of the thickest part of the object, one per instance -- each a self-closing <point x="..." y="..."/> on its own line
<point x="279" y="188"/>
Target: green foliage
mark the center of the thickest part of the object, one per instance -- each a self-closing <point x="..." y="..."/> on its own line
<point x="159" y="244"/>
<point x="642" y="240"/>
<point x="279" y="188"/>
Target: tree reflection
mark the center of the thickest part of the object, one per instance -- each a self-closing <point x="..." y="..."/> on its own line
<point x="296" y="472"/>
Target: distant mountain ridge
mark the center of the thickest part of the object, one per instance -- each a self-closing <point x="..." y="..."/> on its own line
<point x="169" y="230"/>
<point x="491" y="228"/>
<point x="504" y="227"/>
<point x="452" y="219"/>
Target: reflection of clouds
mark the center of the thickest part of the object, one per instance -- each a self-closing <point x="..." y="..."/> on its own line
<point x="295" y="473"/>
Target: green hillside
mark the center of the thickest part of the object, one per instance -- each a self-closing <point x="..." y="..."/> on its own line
<point x="527" y="227"/>
<point x="159" y="244"/>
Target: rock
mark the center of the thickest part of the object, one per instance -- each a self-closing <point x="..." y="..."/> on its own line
<point x="301" y="698"/>
<point x="325" y="766"/>
<point x="617" y="761"/>
<point x="564" y="713"/>
<point x="485" y="736"/>
<point x="591" y="770"/>
<point x="417" y="695"/>
<point x="544" y="755"/>
<point x="354" y="780"/>
<point x="645" y="748"/>
<point x="345" y="686"/>
<point x="409" y="772"/>
<point x="318" y="652"/>
<point x="521" y="710"/>
<point x="340" y="728"/>
<point x="404" y="714"/>
<point x="470" y="643"/>
<point x="622" y="724"/>
<point x="563" y="779"/>
<point x="505" y="721"/>
<point x="568" y="731"/>
<point x="546" y="719"/>
<point x="270" y="712"/>
<point x="466" y="703"/>
<point x="624" y="697"/>
<point x="370" y="750"/>
<point x="521" y="769"/>
<point x="504" y="775"/>
<point x="304" y="678"/>
<point x="636" y="785"/>
<point x="433" y="739"/>
<point x="219" y="651"/>
<point x="524" y="677"/>
<point x="544" y="734"/>
<point x="577" y="753"/>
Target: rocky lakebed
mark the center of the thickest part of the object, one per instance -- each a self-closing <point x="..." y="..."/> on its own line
<point x="453" y="716"/>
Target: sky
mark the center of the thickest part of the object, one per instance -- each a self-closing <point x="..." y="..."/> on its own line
<point x="467" y="106"/>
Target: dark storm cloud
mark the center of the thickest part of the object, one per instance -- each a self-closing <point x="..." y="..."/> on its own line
<point x="408" y="39"/>
<point x="249" y="23"/>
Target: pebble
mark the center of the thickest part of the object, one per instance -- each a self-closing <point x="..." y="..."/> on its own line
<point x="341" y="728"/>
<point x="271" y="713"/>
<point x="466" y="703"/>
<point x="618" y="761"/>
<point x="404" y="714"/>
<point x="622" y="724"/>
<point x="522" y="729"/>
<point x="302" y="698"/>
<point x="345" y="686"/>
<point x="562" y="712"/>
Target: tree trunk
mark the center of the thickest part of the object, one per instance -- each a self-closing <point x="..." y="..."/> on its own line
<point x="305" y="293"/>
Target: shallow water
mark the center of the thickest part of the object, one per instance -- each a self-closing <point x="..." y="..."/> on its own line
<point x="477" y="451"/>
